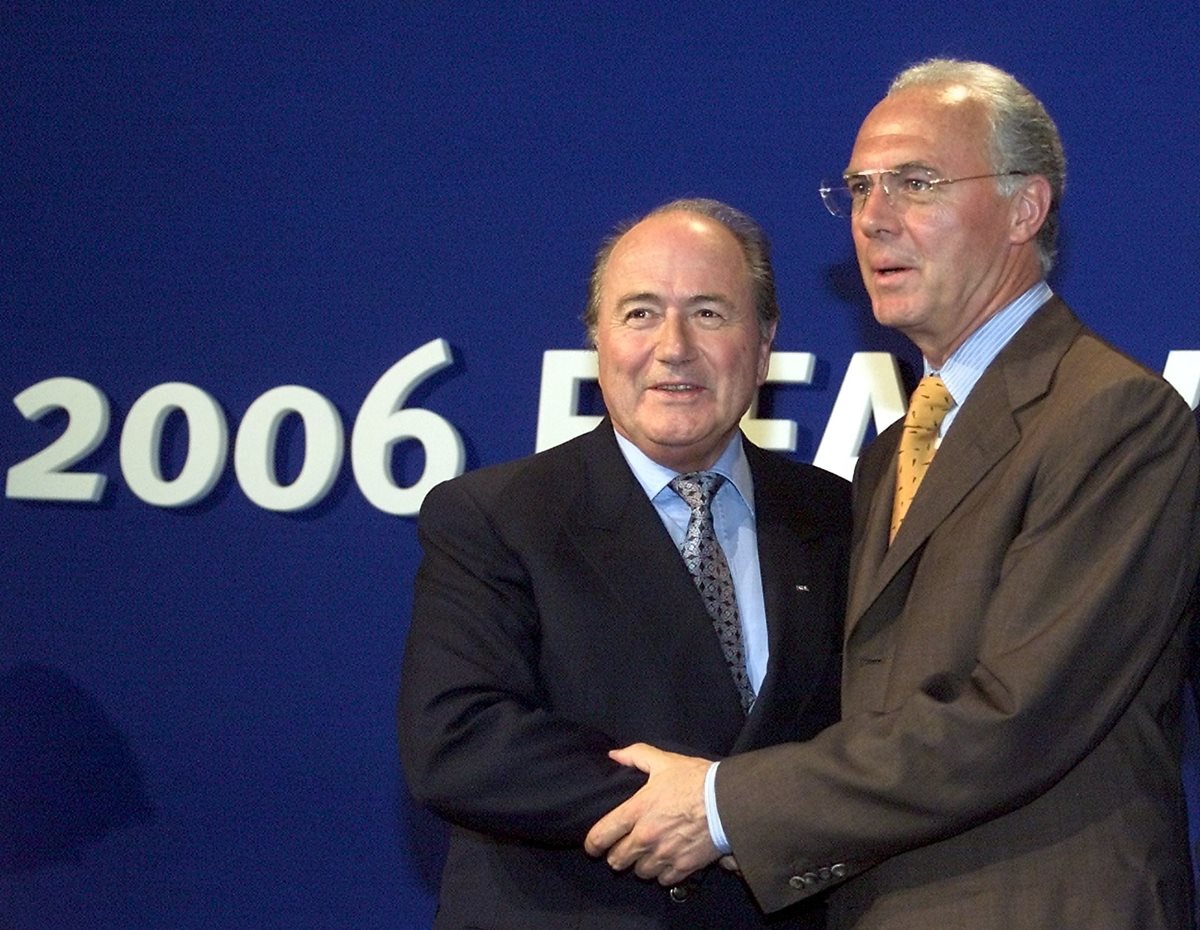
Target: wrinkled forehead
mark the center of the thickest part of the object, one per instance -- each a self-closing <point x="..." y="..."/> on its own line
<point x="943" y="127"/>
<point x="677" y="238"/>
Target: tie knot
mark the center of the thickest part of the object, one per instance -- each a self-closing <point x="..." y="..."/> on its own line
<point x="698" y="488"/>
<point x="929" y="404"/>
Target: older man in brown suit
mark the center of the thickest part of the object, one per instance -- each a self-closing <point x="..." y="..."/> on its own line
<point x="1008" y="755"/>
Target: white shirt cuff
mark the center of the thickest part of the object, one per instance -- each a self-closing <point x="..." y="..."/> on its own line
<point x="715" y="830"/>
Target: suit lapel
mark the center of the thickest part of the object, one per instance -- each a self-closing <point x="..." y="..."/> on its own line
<point x="872" y="510"/>
<point x="618" y="531"/>
<point x="983" y="432"/>
<point x="795" y="633"/>
<point x="621" y="534"/>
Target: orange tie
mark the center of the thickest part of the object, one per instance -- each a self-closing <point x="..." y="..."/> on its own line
<point x="927" y="408"/>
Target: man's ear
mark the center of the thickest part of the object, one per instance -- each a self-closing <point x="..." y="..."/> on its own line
<point x="764" y="354"/>
<point x="1030" y="207"/>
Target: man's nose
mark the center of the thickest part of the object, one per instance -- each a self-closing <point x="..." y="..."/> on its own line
<point x="675" y="338"/>
<point x="876" y="212"/>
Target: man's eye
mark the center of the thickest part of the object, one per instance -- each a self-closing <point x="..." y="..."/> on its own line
<point x="709" y="317"/>
<point x="913" y="182"/>
<point x="860" y="187"/>
<point x="637" y="314"/>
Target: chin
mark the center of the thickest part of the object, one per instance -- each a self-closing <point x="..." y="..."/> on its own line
<point x="892" y="313"/>
<point x="681" y="442"/>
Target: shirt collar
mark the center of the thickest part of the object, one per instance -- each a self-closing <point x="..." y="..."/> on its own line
<point x="654" y="478"/>
<point x="969" y="361"/>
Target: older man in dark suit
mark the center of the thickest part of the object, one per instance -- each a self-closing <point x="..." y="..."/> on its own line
<point x="1025" y="544"/>
<point x="555" y="619"/>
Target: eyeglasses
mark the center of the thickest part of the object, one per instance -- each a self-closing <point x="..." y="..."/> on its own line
<point x="905" y="186"/>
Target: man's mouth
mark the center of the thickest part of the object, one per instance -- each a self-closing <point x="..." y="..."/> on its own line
<point x="890" y="272"/>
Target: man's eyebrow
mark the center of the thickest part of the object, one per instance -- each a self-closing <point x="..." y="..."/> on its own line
<point x="649" y="297"/>
<point x="643" y="297"/>
<point x="857" y="172"/>
<point x="709" y="299"/>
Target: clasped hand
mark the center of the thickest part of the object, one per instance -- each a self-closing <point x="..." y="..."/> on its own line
<point x="662" y="830"/>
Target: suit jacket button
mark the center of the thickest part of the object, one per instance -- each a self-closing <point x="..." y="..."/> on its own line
<point x="679" y="893"/>
<point x="839" y="870"/>
<point x="796" y="882"/>
<point x="825" y="874"/>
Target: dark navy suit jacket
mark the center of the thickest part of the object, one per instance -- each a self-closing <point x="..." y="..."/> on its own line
<point x="554" y="620"/>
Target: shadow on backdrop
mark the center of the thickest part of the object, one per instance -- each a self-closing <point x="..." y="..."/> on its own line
<point x="67" y="774"/>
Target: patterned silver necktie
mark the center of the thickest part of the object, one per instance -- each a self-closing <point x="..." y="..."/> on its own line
<point x="704" y="559"/>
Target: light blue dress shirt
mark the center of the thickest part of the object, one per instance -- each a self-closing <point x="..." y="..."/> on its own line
<point x="733" y="520"/>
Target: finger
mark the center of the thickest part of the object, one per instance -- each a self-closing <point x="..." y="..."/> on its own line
<point x="608" y="830"/>
<point x="625" y="854"/>
<point x="636" y="755"/>
<point x="669" y="874"/>
<point x="650" y="869"/>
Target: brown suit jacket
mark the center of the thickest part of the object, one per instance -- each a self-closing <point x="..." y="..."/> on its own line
<point x="1008" y="755"/>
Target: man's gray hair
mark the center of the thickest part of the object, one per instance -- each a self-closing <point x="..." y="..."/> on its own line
<point x="1023" y="136"/>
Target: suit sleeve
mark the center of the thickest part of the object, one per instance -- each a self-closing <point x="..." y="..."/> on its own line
<point x="1086" y="597"/>
<point x="478" y="741"/>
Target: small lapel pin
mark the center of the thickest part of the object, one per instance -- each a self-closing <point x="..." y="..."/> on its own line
<point x="802" y="587"/>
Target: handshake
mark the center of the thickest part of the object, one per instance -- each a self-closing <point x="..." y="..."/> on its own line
<point x="662" y="831"/>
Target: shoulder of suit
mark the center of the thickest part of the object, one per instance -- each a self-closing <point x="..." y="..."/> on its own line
<point x="1093" y="372"/>
<point x="533" y="483"/>
<point x="773" y="462"/>
<point x="819" y="496"/>
<point x="1093" y="351"/>
<point x="1090" y="363"/>
<point x="1057" y="330"/>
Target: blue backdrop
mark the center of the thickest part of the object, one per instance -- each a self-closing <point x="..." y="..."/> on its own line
<point x="391" y="209"/>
